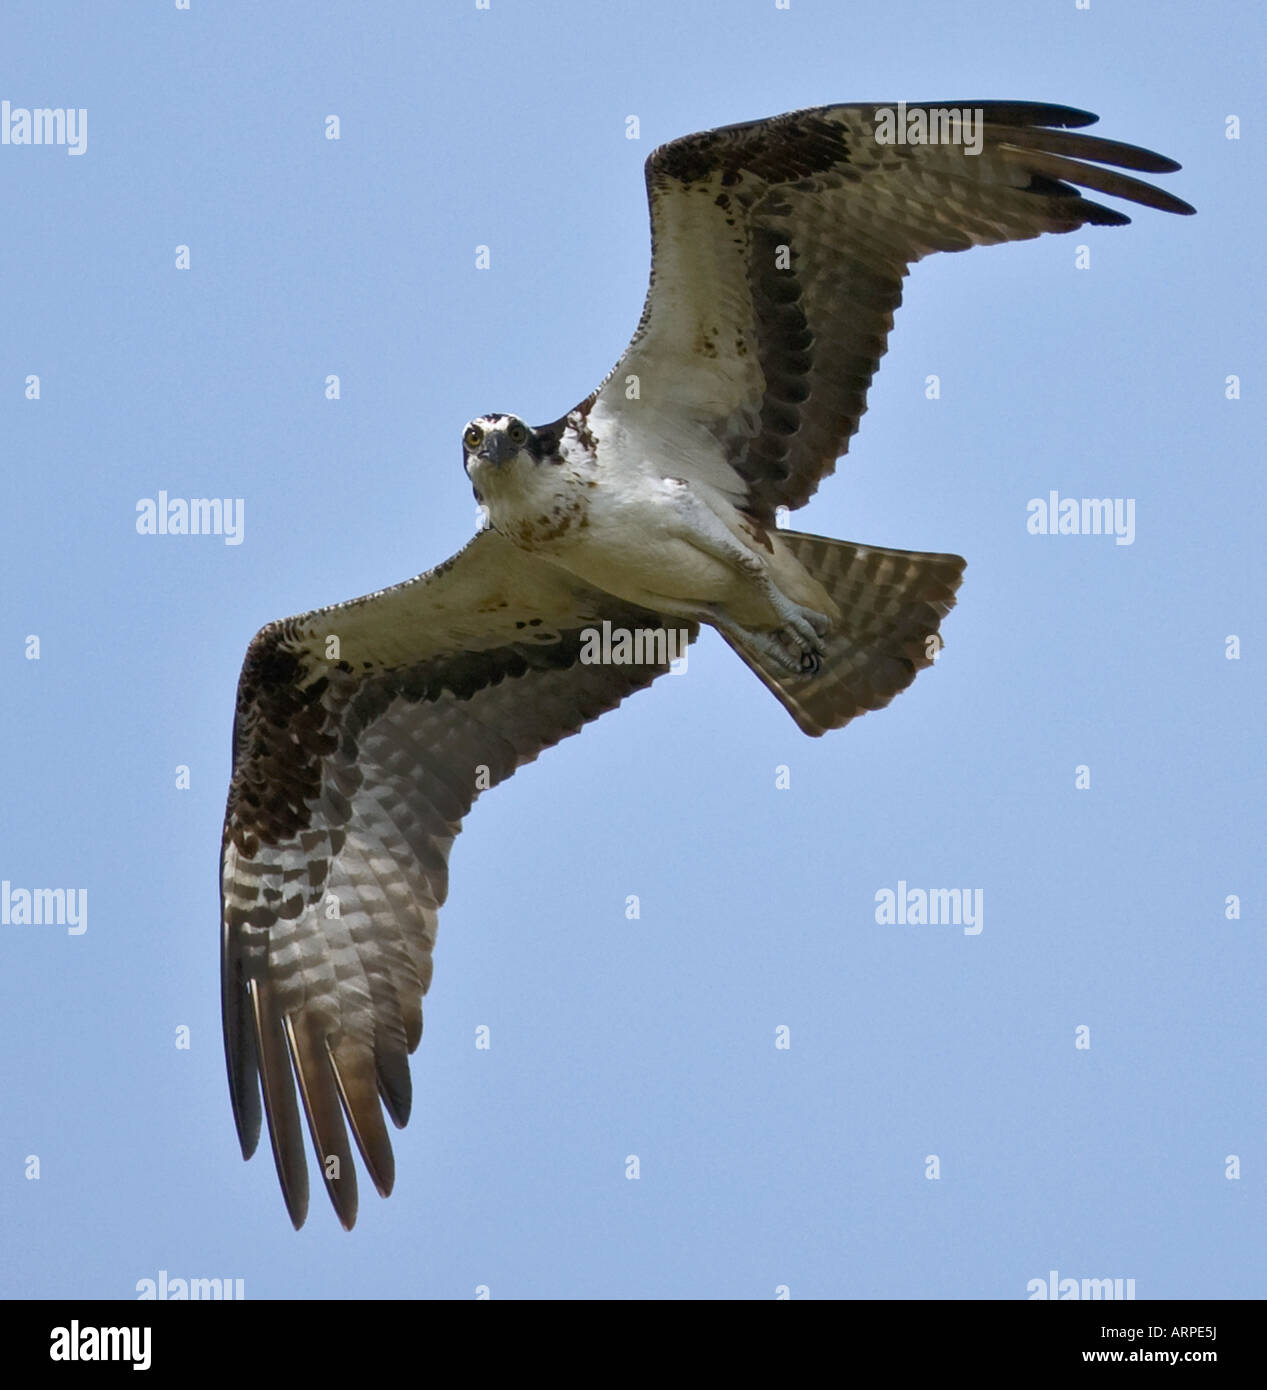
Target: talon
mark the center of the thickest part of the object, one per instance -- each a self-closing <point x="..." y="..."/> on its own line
<point x="797" y="648"/>
<point x="806" y="627"/>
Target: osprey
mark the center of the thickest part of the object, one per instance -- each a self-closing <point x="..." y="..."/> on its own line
<point x="364" y="731"/>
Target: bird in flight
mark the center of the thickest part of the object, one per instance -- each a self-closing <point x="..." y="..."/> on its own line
<point x="364" y="731"/>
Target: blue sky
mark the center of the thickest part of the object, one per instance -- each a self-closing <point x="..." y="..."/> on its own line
<point x="1104" y="908"/>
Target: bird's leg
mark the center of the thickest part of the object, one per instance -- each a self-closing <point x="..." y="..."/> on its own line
<point x="788" y="658"/>
<point x="803" y="628"/>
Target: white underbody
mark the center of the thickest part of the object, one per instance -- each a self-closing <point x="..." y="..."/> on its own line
<point x="617" y="517"/>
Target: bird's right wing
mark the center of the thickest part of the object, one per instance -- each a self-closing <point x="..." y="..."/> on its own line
<point x="363" y="733"/>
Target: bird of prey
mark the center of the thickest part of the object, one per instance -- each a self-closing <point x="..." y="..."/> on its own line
<point x="364" y="731"/>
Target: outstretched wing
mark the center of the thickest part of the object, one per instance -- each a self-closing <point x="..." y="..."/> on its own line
<point x="363" y="734"/>
<point x="778" y="253"/>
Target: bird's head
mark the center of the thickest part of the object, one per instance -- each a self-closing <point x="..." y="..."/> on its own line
<point x="504" y="459"/>
<point x="497" y="443"/>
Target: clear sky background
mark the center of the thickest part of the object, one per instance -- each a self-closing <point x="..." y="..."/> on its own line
<point x="1104" y="908"/>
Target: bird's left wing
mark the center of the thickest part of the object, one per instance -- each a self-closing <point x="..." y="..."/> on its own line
<point x="778" y="253"/>
<point x="363" y="733"/>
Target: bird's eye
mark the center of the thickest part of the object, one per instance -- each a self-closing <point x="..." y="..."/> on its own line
<point x="472" y="437"/>
<point x="518" y="433"/>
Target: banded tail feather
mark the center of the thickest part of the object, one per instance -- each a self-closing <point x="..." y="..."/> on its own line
<point x="892" y="603"/>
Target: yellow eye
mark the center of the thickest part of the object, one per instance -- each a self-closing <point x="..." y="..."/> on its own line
<point x="518" y="433"/>
<point x="473" y="437"/>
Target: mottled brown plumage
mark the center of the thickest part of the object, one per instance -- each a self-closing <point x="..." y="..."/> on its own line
<point x="351" y="776"/>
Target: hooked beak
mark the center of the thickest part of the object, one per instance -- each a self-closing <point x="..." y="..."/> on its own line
<point x="496" y="448"/>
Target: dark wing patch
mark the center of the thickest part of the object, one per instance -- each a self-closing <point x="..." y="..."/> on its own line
<point x="352" y="771"/>
<point x="779" y="248"/>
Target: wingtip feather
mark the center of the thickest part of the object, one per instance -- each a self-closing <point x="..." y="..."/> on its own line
<point x="318" y="1088"/>
<point x="277" y="1081"/>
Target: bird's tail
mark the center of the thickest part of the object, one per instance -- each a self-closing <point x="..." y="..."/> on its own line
<point x="891" y="602"/>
